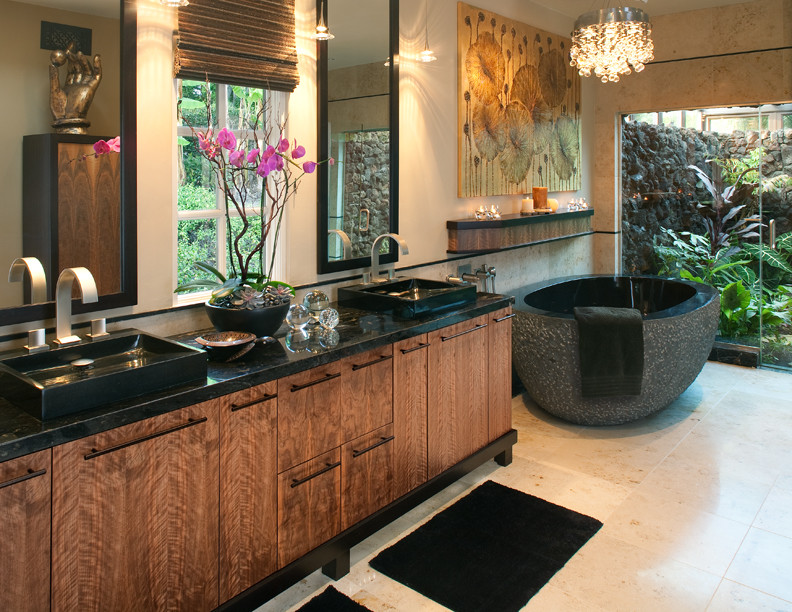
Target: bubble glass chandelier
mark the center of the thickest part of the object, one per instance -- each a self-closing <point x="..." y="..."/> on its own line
<point x="608" y="41"/>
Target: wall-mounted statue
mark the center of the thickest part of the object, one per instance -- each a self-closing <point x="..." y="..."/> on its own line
<point x="70" y="103"/>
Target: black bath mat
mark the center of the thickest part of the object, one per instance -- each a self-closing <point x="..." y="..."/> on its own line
<point x="330" y="600"/>
<point x="492" y="550"/>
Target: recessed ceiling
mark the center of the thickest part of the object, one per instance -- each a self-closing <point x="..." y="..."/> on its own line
<point x="575" y="8"/>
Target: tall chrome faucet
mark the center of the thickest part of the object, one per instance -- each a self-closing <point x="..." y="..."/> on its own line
<point x="63" y="297"/>
<point x="374" y="275"/>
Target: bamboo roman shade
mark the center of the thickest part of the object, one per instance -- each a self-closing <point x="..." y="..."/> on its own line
<point x="238" y="42"/>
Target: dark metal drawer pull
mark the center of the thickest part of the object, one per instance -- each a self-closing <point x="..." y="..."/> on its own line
<point x="189" y="423"/>
<point x="259" y="400"/>
<point x="315" y="382"/>
<point x="508" y="316"/>
<point x="326" y="468"/>
<point x="462" y="333"/>
<point x="380" y="359"/>
<point x="415" y="348"/>
<point x="23" y="478"/>
<point x="382" y="440"/>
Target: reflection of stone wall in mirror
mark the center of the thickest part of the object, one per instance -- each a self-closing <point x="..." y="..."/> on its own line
<point x="358" y="111"/>
<point x="24" y="72"/>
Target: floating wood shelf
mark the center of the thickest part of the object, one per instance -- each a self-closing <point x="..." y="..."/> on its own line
<point x="472" y="236"/>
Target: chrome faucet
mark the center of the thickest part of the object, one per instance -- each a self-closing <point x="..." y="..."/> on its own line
<point x="38" y="294"/>
<point x="374" y="275"/>
<point x="346" y="243"/>
<point x="63" y="297"/>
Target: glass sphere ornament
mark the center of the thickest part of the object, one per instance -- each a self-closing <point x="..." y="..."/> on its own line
<point x="298" y="317"/>
<point x="316" y="301"/>
<point x="328" y="318"/>
<point x="329" y="338"/>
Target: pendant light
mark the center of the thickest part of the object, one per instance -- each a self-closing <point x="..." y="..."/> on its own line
<point x="322" y="31"/>
<point x="609" y="41"/>
<point x="427" y="55"/>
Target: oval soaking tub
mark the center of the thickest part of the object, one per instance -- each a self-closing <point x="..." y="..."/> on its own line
<point x="680" y="319"/>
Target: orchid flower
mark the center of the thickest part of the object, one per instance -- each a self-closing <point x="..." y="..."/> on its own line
<point x="309" y="167"/>
<point x="226" y="139"/>
<point x="101" y="147"/>
<point x="283" y="146"/>
<point x="115" y="144"/>
<point x="236" y="157"/>
<point x="297" y="152"/>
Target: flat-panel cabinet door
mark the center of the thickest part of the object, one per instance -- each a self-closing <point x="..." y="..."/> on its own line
<point x="135" y="516"/>
<point x="409" y="413"/>
<point x="25" y="496"/>
<point x="248" y="488"/>
<point x="367" y="389"/>
<point x="500" y="372"/>
<point x="310" y="414"/>
<point x="366" y="475"/>
<point x="309" y="505"/>
<point x="458" y="420"/>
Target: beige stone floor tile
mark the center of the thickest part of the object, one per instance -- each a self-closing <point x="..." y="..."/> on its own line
<point x="552" y="599"/>
<point x="622" y="577"/>
<point x="677" y="531"/>
<point x="398" y="597"/>
<point x="734" y="597"/>
<point x="776" y="513"/>
<point x="763" y="563"/>
<point x="299" y="594"/>
<point x="704" y="485"/>
<point x="784" y="481"/>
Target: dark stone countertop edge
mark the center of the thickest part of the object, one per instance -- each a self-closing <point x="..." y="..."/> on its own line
<point x="22" y="434"/>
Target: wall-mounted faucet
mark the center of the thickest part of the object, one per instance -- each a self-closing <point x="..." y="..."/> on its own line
<point x="346" y="243"/>
<point x="63" y="297"/>
<point x="38" y="294"/>
<point x="485" y="274"/>
<point x="374" y="275"/>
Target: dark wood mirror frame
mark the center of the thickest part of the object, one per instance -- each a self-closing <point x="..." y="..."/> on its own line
<point x="324" y="265"/>
<point x="128" y="294"/>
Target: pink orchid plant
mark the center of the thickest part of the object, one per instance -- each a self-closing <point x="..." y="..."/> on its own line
<point x="280" y="165"/>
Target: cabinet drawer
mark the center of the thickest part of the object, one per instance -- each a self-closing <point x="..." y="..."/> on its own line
<point x="310" y="414"/>
<point x="367" y="390"/>
<point x="309" y="506"/>
<point x="25" y="496"/>
<point x="366" y="475"/>
<point x="499" y="380"/>
<point x="409" y="412"/>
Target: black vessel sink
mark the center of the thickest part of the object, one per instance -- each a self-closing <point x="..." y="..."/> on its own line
<point x="124" y="365"/>
<point x="408" y="298"/>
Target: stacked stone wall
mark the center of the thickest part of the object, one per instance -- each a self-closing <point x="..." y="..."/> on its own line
<point x="658" y="190"/>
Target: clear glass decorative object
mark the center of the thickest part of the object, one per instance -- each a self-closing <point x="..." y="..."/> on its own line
<point x="328" y="318"/>
<point x="298" y="341"/>
<point x="298" y="317"/>
<point x="316" y="301"/>
<point x="329" y="338"/>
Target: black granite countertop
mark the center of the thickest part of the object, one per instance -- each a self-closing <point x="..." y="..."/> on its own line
<point x="358" y="331"/>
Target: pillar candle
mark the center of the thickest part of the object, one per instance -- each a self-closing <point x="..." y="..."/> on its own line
<point x="527" y="204"/>
<point x="540" y="197"/>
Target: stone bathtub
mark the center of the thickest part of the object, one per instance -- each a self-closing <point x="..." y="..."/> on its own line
<point x="680" y="321"/>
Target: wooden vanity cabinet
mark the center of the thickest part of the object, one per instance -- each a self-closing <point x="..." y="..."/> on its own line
<point x="410" y="378"/>
<point x="458" y="417"/>
<point x="25" y="494"/>
<point x="135" y="516"/>
<point x="499" y="376"/>
<point x="309" y="505"/>
<point x="248" y="488"/>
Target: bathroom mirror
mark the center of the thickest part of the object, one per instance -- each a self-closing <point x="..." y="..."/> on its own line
<point x="26" y="107"/>
<point x="358" y="127"/>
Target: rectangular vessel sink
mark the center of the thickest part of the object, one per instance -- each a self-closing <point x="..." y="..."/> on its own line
<point x="70" y="379"/>
<point x="408" y="298"/>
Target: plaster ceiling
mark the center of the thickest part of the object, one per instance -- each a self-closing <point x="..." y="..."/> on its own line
<point x="575" y="8"/>
<point x="102" y="8"/>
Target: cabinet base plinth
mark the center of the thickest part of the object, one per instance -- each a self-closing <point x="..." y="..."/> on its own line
<point x="333" y="556"/>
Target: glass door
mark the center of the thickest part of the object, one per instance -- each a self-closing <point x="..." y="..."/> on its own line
<point x="775" y="246"/>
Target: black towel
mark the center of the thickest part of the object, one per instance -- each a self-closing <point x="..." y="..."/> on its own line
<point x="611" y="350"/>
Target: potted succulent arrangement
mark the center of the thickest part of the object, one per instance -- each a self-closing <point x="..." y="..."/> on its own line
<point x="260" y="173"/>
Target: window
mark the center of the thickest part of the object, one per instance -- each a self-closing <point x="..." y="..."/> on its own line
<point x="202" y="234"/>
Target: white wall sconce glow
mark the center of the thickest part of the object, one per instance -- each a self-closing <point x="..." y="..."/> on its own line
<point x="322" y="31"/>
<point x="609" y="41"/>
<point x="427" y="55"/>
<point x="174" y="3"/>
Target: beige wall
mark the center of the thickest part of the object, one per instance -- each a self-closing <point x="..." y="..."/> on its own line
<point x="743" y="79"/>
<point x="24" y="74"/>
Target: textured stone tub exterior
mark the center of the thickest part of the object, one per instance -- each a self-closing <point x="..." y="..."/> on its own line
<point x="677" y="342"/>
